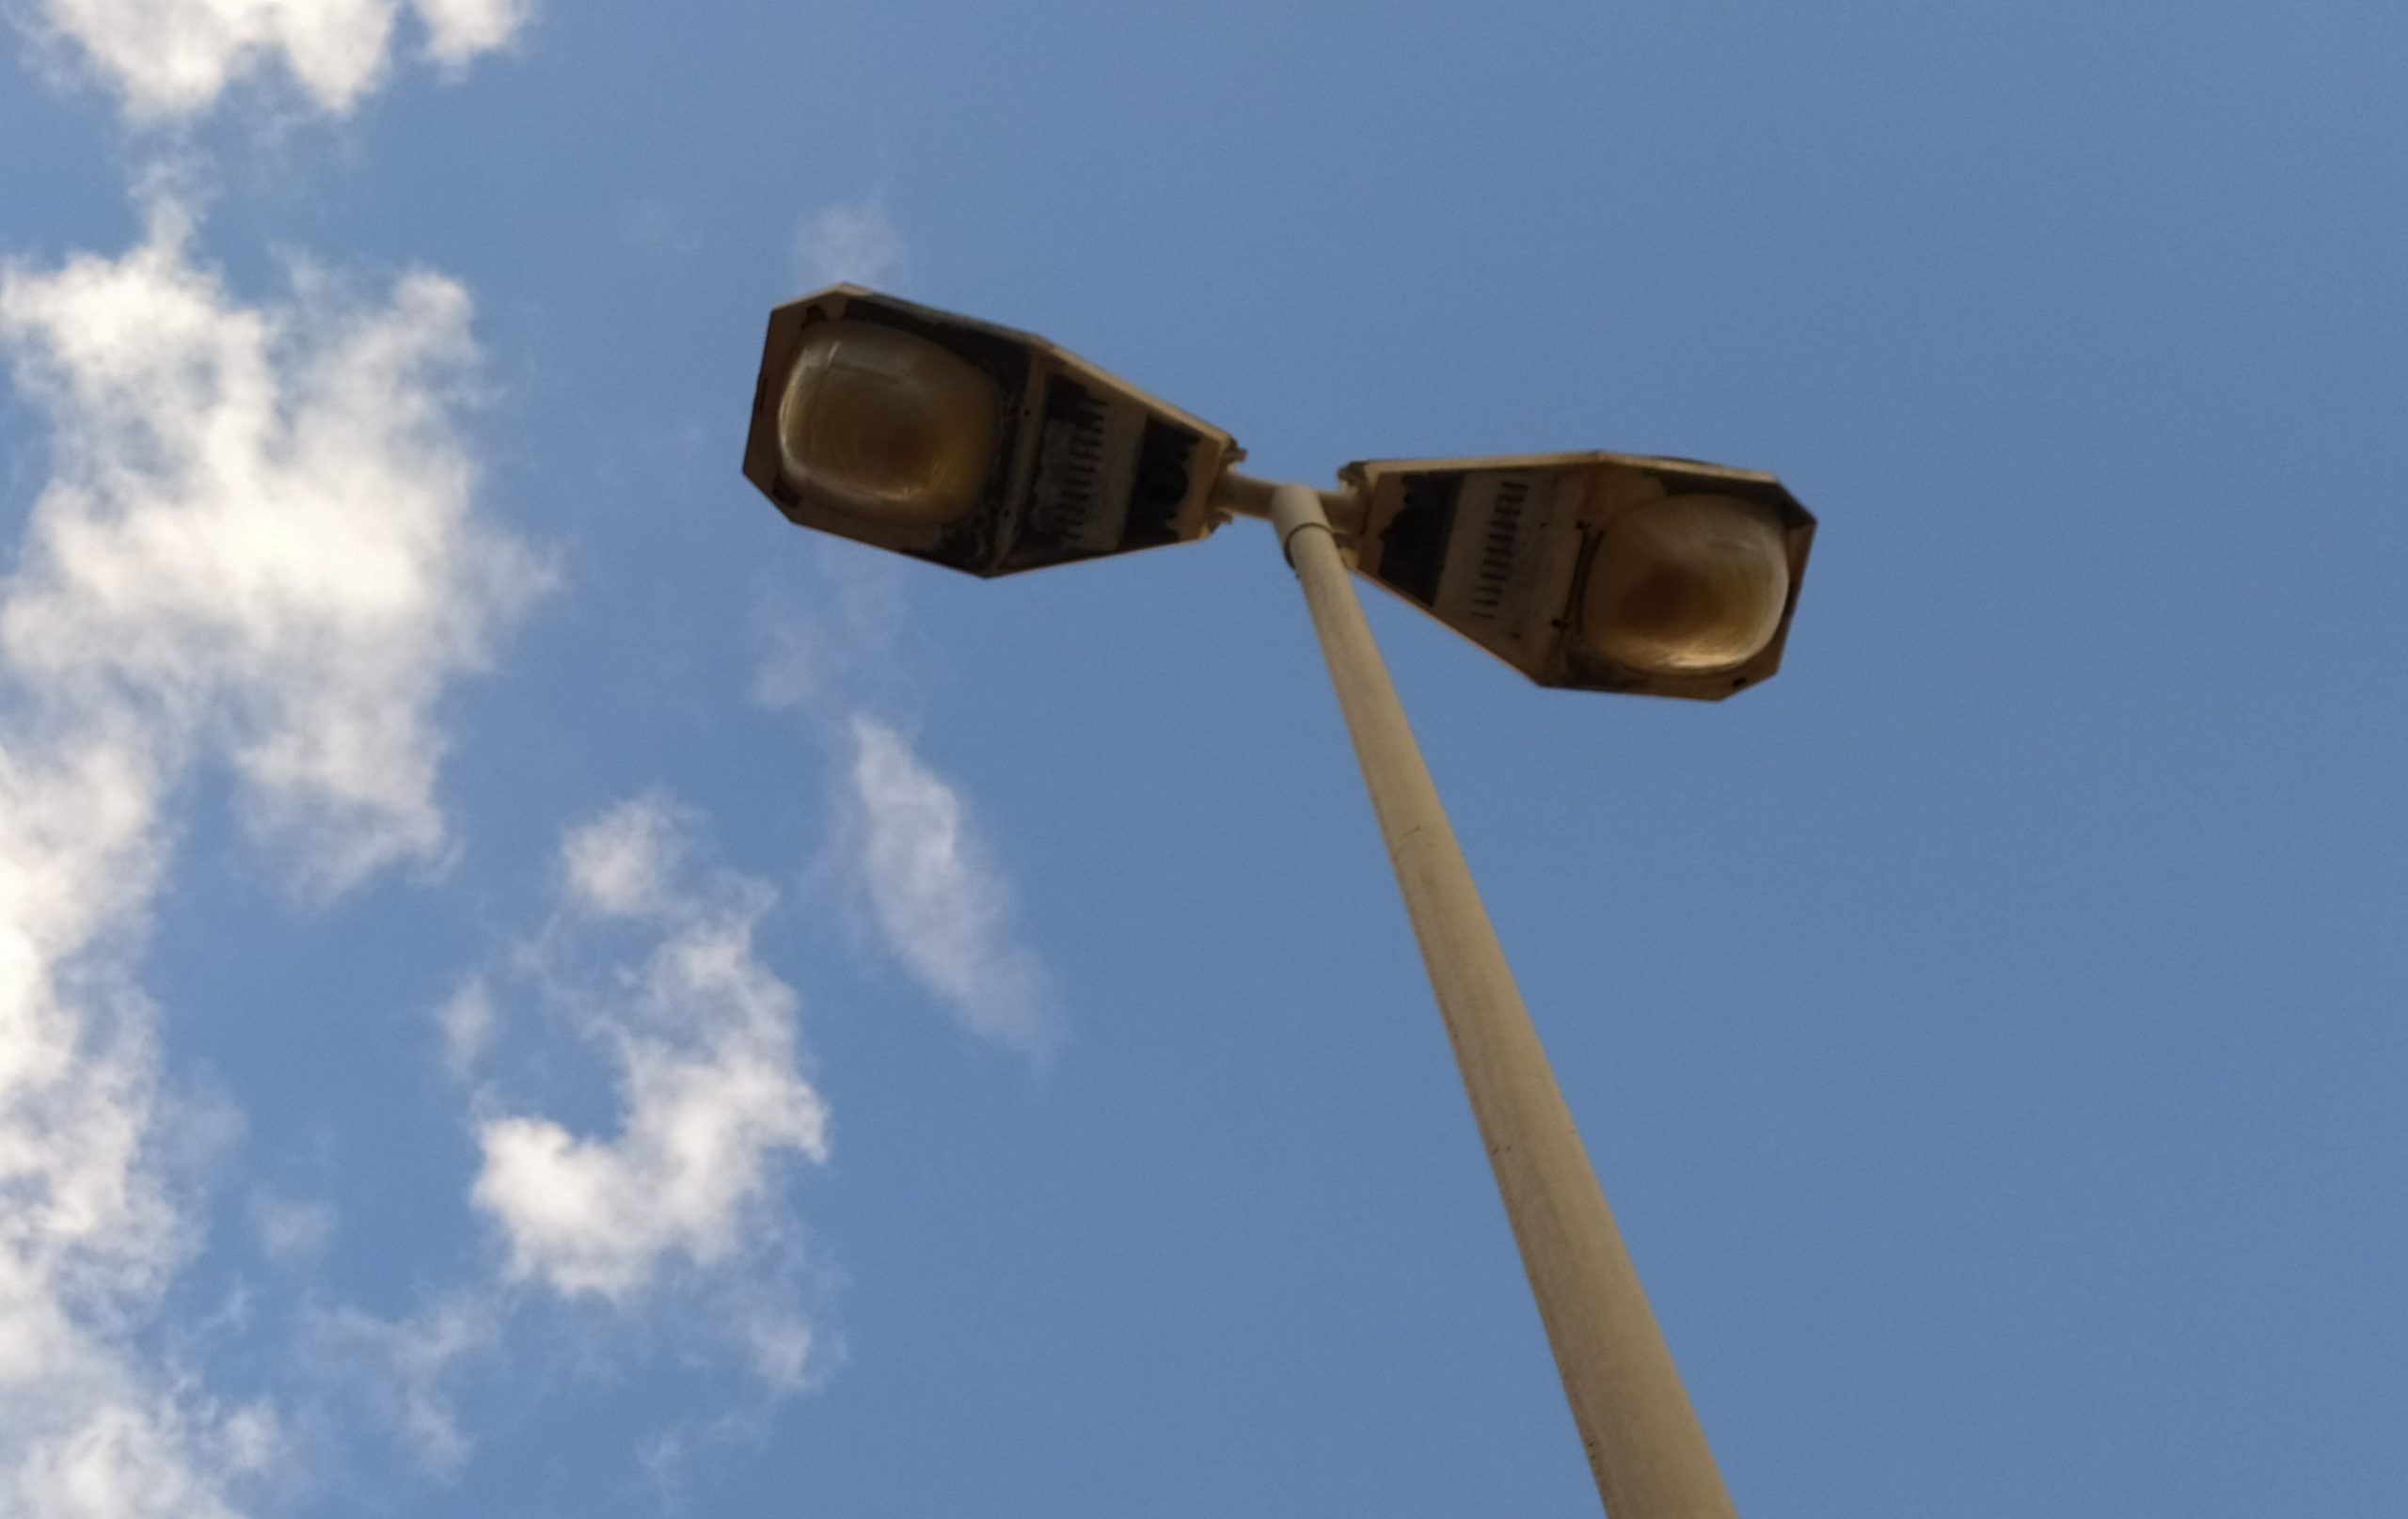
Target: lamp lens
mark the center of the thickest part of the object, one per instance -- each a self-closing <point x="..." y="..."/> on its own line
<point x="1688" y="585"/>
<point x="881" y="424"/>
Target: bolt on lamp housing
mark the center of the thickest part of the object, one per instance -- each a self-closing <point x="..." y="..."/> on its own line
<point x="968" y="443"/>
<point x="1606" y="572"/>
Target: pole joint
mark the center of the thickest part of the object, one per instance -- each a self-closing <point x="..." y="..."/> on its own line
<point x="1294" y="508"/>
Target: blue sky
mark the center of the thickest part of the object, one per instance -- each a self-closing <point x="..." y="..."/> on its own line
<point x="529" y="987"/>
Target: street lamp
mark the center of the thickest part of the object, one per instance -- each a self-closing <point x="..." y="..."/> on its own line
<point x="992" y="451"/>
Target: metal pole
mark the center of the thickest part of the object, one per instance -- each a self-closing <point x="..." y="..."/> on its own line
<point x="1645" y="1449"/>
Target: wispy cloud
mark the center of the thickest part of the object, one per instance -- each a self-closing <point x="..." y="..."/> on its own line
<point x="941" y="905"/>
<point x="291" y="1229"/>
<point x="466" y="1022"/>
<point x="175" y="58"/>
<point x="657" y="225"/>
<point x="704" y="1040"/>
<point x="836" y="637"/>
<point x="406" y="1369"/>
<point x="853" y="240"/>
<point x="909" y="857"/>
<point x="257" y="545"/>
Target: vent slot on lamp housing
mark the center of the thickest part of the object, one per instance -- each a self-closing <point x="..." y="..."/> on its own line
<point x="1493" y="556"/>
<point x="1493" y="571"/>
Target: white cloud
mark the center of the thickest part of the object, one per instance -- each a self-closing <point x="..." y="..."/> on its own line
<point x="170" y="59"/>
<point x="458" y="30"/>
<point x="255" y="545"/>
<point x="126" y="1461"/>
<point x="852" y="241"/>
<point x="705" y="1044"/>
<point x="673" y="1219"/>
<point x="620" y="865"/>
<point x="943" y="909"/>
<point x="258" y="534"/>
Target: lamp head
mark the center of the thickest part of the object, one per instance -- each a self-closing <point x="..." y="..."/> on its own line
<point x="1595" y="571"/>
<point x="968" y="443"/>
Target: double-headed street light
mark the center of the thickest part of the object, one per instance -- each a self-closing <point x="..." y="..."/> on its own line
<point x="991" y="452"/>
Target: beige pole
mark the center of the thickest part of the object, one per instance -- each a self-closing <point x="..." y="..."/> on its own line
<point x="1645" y="1449"/>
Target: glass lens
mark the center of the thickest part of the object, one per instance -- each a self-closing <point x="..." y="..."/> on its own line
<point x="1688" y="585"/>
<point x="882" y="425"/>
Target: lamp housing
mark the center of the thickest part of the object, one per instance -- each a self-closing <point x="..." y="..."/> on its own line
<point x="968" y="443"/>
<point x="1607" y="571"/>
